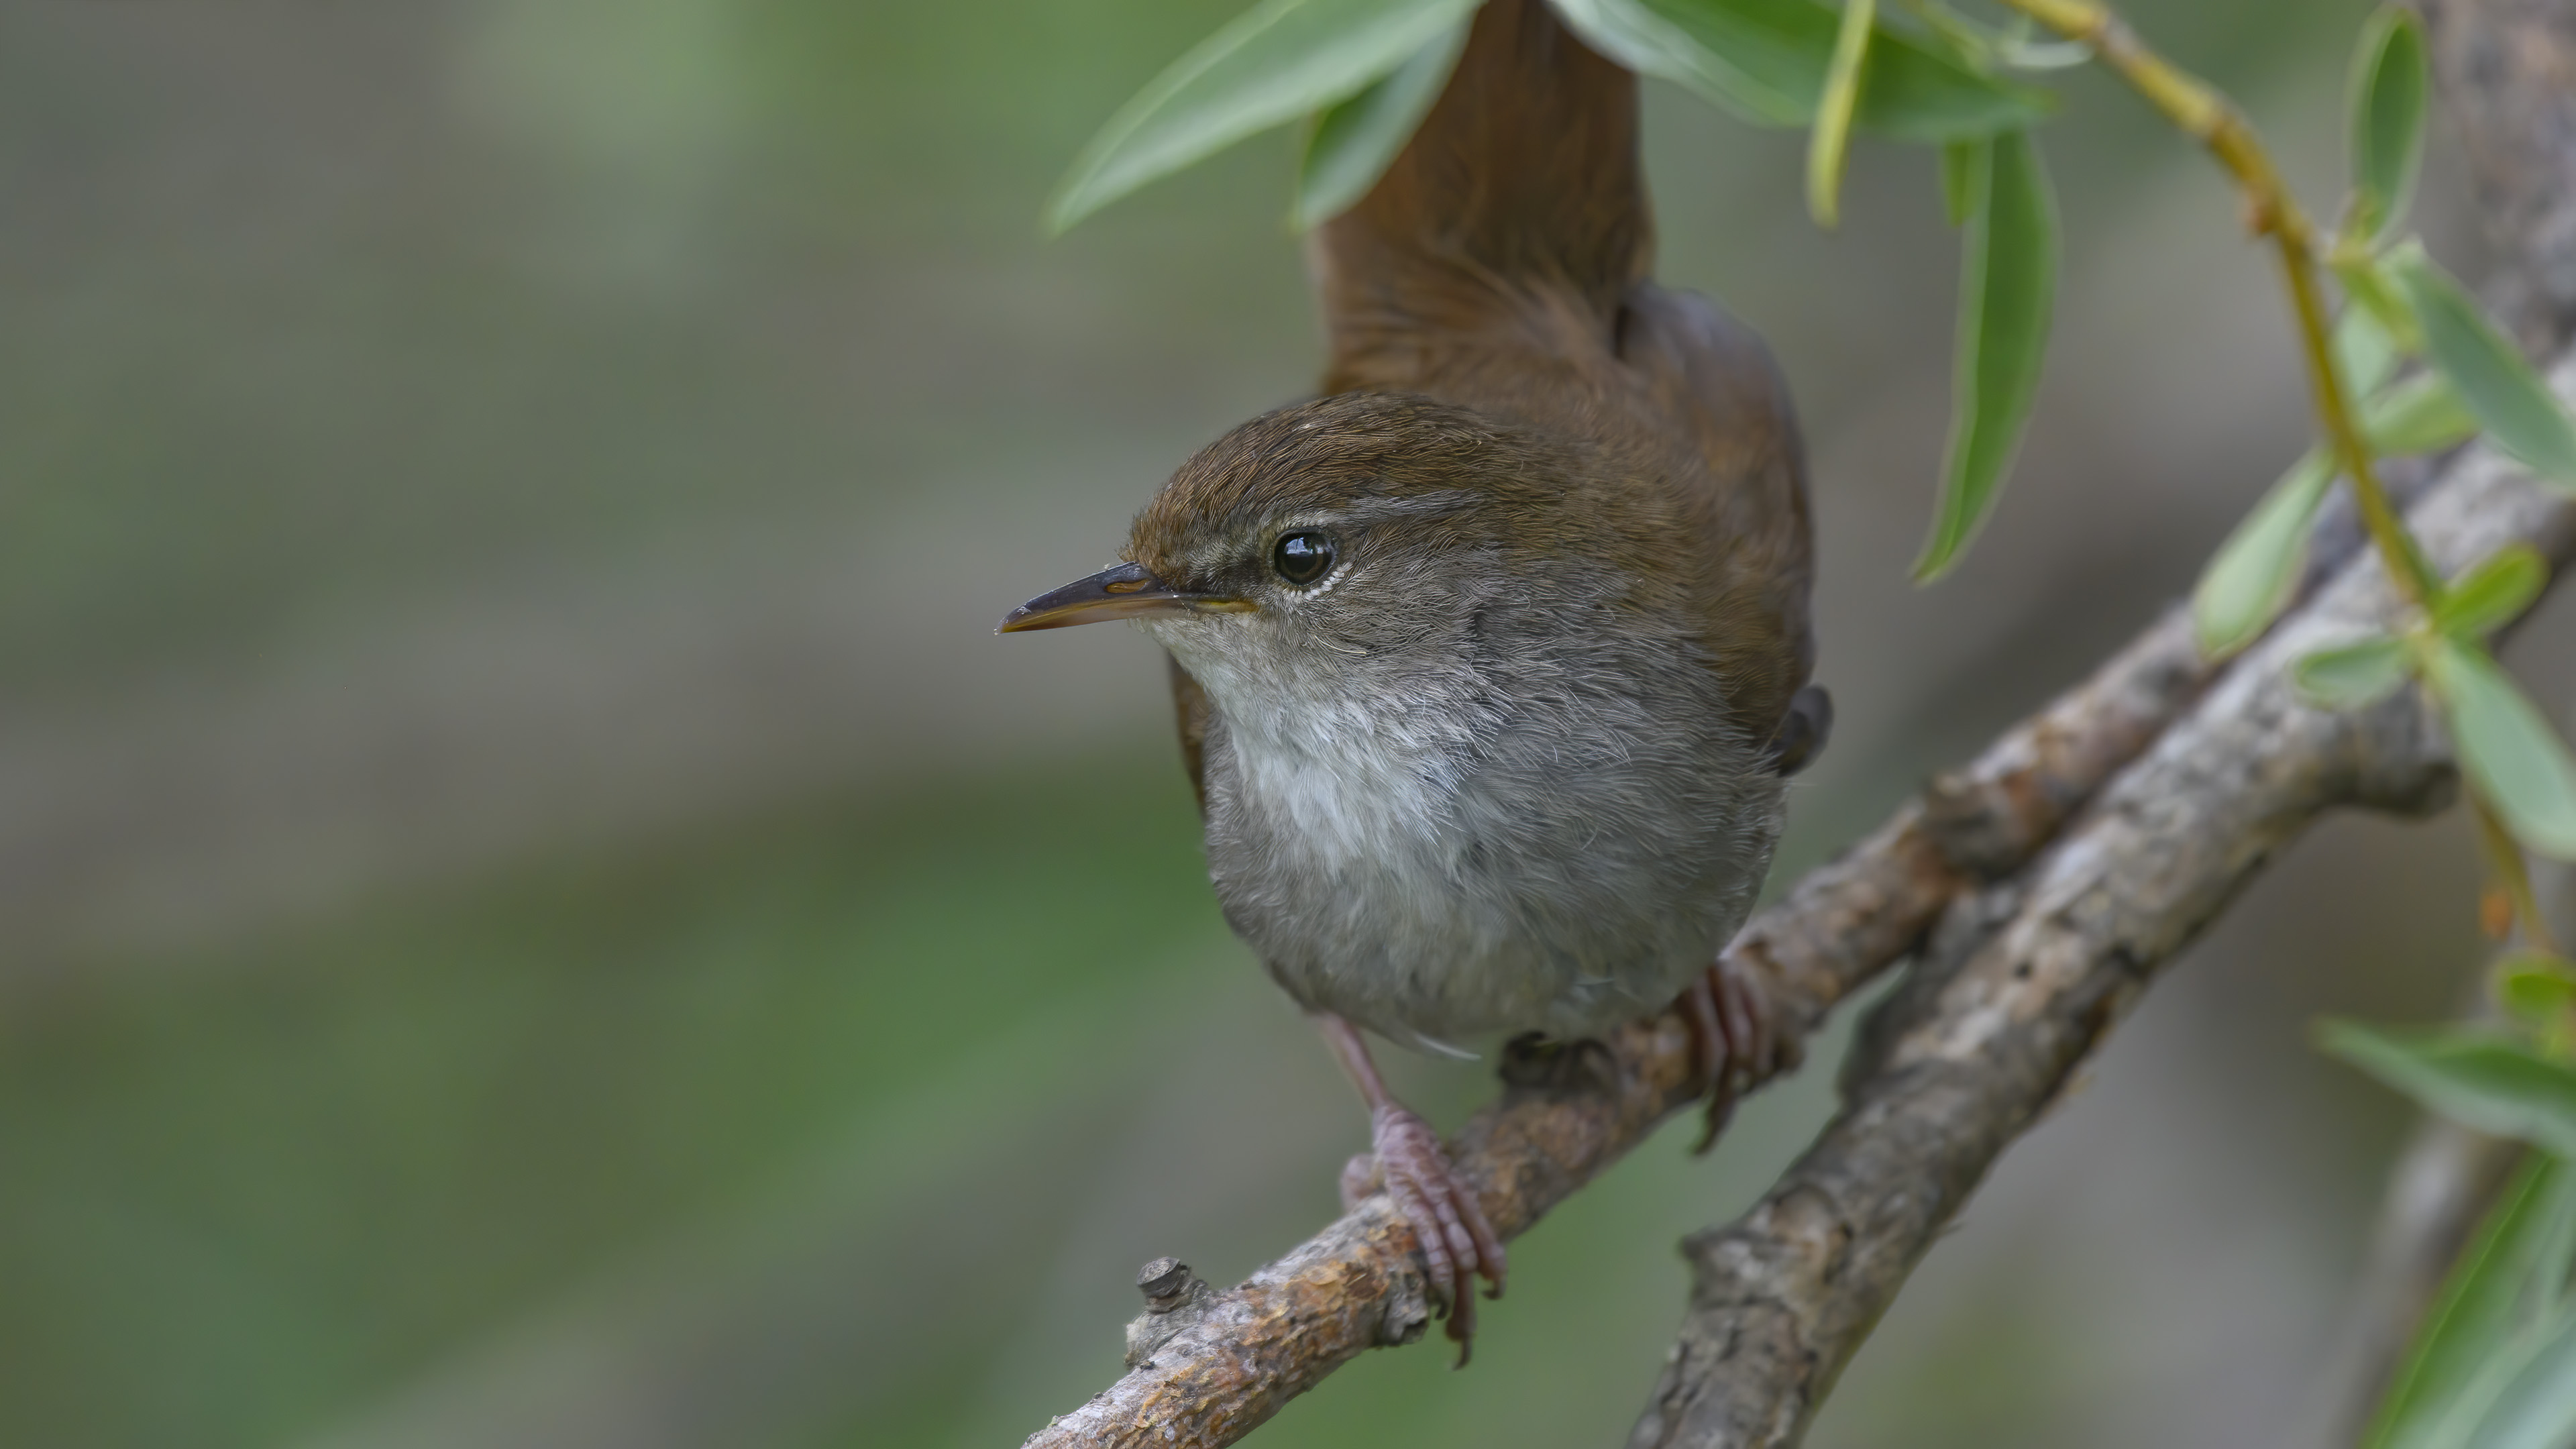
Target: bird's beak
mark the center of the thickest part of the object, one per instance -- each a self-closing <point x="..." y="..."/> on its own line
<point x="1125" y="592"/>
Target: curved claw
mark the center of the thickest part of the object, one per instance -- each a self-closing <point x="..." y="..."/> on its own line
<point x="1458" y="1244"/>
<point x="1731" y="1041"/>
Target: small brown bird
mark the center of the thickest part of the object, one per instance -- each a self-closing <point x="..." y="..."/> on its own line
<point x="1490" y="660"/>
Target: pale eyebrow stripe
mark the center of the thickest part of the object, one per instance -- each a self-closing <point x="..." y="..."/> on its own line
<point x="1418" y="505"/>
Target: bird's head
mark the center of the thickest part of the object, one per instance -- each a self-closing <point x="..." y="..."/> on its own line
<point x="1354" y="532"/>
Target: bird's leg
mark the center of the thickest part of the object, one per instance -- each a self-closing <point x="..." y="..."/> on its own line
<point x="1732" y="1042"/>
<point x="1458" y="1244"/>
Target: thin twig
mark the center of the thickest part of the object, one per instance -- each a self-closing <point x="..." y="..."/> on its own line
<point x="2202" y="113"/>
<point x="1357" y="1284"/>
<point x="1563" y="1119"/>
<point x="1967" y="1056"/>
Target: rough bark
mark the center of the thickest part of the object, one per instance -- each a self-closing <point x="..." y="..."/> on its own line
<point x="1567" y="1115"/>
<point x="1564" y="1117"/>
<point x="2033" y="962"/>
<point x="2025" y="980"/>
<point x="2507" y="80"/>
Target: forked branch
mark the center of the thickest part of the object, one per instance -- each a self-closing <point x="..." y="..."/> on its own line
<point x="2036" y="964"/>
<point x="2026" y="979"/>
<point x="1358" y="1284"/>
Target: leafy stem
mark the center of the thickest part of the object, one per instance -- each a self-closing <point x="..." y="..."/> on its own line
<point x="2199" y="111"/>
<point x="2513" y="872"/>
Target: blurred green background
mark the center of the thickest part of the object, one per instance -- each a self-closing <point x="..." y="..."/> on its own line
<point x="534" y="912"/>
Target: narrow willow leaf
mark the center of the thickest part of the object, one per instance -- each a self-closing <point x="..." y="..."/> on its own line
<point x="1963" y="40"/>
<point x="2557" y="1257"/>
<point x="2419" y="415"/>
<point x="2368" y="285"/>
<point x="1831" y="139"/>
<point x="2535" y="985"/>
<point x="1278" y="61"/>
<point x="2488" y="1082"/>
<point x="2250" y="577"/>
<point x="2007" y="288"/>
<point x="1766" y="62"/>
<point x="1959" y="160"/>
<point x="2352" y="675"/>
<point x="1913" y="92"/>
<point x="2022" y="53"/>
<point x="1354" y="142"/>
<point x="2365" y="355"/>
<point x="1641" y="36"/>
<point x="2493" y="379"/>
<point x="2388" y="89"/>
<point x="2493" y="593"/>
<point x="2478" y="1309"/>
<point x="2535" y="1407"/>
<point x="2507" y="748"/>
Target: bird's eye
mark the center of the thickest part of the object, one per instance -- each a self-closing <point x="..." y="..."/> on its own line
<point x="1302" y="558"/>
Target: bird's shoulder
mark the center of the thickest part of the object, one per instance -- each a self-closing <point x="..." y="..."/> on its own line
<point x="1725" y="419"/>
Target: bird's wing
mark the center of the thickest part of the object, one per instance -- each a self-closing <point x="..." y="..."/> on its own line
<point x="1190" y="703"/>
<point x="1712" y="383"/>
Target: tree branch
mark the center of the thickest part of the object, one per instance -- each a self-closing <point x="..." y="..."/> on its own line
<point x="1956" y="1065"/>
<point x="1358" y="1284"/>
<point x="1562" y="1119"/>
<point x="2026" y="979"/>
<point x="2438" y="1192"/>
<point x="2503" y="68"/>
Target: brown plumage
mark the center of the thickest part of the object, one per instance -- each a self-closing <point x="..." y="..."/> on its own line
<point x="1488" y="660"/>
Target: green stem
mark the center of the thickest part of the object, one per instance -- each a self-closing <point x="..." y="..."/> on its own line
<point x="2206" y="116"/>
<point x="2513" y="871"/>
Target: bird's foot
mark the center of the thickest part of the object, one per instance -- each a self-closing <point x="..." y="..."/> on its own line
<point x="1458" y="1244"/>
<point x="1732" y="1043"/>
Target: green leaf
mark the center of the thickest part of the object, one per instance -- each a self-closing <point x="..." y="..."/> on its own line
<point x="2352" y="675"/>
<point x="2536" y="1407"/>
<point x="1353" y="143"/>
<point x="1958" y="162"/>
<point x="2245" y="583"/>
<point x="2491" y="1083"/>
<point x="2365" y="355"/>
<point x="1641" y="36"/>
<point x="2251" y="576"/>
<point x="2494" y="380"/>
<point x="2480" y="1307"/>
<point x="1972" y="45"/>
<point x="2007" y="288"/>
<point x="1278" y="61"/>
<point x="2388" y="89"/>
<point x="2493" y="593"/>
<point x="1913" y="92"/>
<point x="2369" y="286"/>
<point x="2535" y="986"/>
<point x="1766" y="61"/>
<point x="1831" y="139"/>
<point x="2517" y="764"/>
<point x="2022" y="53"/>
<point x="2419" y="415"/>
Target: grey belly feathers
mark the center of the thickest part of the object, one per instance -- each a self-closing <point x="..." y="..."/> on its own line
<point x="1545" y="828"/>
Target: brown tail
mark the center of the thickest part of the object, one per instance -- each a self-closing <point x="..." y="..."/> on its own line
<point x="1523" y="180"/>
